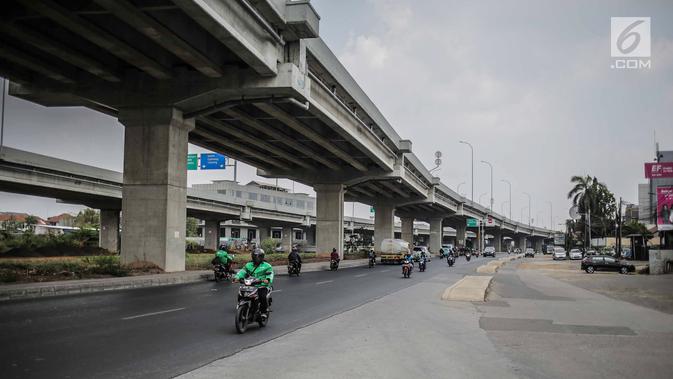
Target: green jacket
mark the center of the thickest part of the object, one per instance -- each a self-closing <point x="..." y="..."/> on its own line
<point x="261" y="272"/>
<point x="223" y="257"/>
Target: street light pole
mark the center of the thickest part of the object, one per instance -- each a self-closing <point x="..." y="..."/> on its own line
<point x="458" y="188"/>
<point x="472" y="176"/>
<point x="527" y="194"/>
<point x="480" y="196"/>
<point x="491" y="166"/>
<point x="510" y="196"/>
<point x="551" y="217"/>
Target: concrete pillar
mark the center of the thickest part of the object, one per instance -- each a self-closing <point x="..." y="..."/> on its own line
<point x="211" y="234"/>
<point x="108" y="237"/>
<point x="538" y="245"/>
<point x="461" y="231"/>
<point x="384" y="224"/>
<point x="263" y="232"/>
<point x="408" y="229"/>
<point x="521" y="243"/>
<point x="287" y="238"/>
<point x="436" y="232"/>
<point x="497" y="239"/>
<point x="154" y="196"/>
<point x="329" y="218"/>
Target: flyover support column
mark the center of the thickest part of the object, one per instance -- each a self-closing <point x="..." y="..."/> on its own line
<point x="497" y="239"/>
<point x="384" y="224"/>
<point x="154" y="196"/>
<point x="286" y="238"/>
<point x="522" y="243"/>
<point x="538" y="245"/>
<point x="436" y="233"/>
<point x="108" y="237"/>
<point x="329" y="218"/>
<point x="461" y="231"/>
<point x="211" y="234"/>
<point x="408" y="229"/>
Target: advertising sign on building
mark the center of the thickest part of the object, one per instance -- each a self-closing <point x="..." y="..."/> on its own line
<point x="656" y="170"/>
<point x="665" y="208"/>
<point x="212" y="161"/>
<point x="559" y="239"/>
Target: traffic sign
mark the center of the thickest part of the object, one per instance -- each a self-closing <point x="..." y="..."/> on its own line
<point x="472" y="223"/>
<point x="371" y="209"/>
<point x="213" y="161"/>
<point x="192" y="162"/>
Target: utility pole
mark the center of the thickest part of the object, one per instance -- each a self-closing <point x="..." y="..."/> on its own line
<point x="491" y="166"/>
<point x="472" y="165"/>
<point x="527" y="194"/>
<point x="551" y="217"/>
<point x="510" y="196"/>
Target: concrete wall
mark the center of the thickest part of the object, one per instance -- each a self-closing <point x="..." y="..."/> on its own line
<point x="661" y="262"/>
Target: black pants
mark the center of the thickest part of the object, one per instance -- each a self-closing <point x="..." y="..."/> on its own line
<point x="262" y="292"/>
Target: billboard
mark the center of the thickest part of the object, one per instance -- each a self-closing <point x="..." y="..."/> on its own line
<point x="559" y="239"/>
<point x="659" y="170"/>
<point x="665" y="208"/>
<point x="212" y="161"/>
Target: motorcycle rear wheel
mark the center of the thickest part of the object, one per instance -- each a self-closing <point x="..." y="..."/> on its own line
<point x="242" y="319"/>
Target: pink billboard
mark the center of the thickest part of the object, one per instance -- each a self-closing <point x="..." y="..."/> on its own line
<point x="659" y="170"/>
<point x="665" y="208"/>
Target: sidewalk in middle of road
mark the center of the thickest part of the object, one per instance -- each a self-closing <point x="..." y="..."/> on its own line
<point x="70" y="287"/>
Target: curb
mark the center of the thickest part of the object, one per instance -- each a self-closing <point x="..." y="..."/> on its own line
<point x="469" y="288"/>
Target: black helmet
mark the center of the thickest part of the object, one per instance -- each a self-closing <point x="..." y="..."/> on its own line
<point x="257" y="256"/>
<point x="223" y="247"/>
<point x="334" y="249"/>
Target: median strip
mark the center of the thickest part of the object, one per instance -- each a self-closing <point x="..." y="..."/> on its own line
<point x="470" y="288"/>
<point x="152" y="314"/>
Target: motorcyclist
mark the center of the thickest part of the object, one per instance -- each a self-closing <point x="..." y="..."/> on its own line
<point x="409" y="258"/>
<point x="334" y="255"/>
<point x="371" y="254"/>
<point x="261" y="270"/>
<point x="294" y="257"/>
<point x="223" y="258"/>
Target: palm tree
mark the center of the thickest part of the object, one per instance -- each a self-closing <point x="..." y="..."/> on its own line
<point x="582" y="194"/>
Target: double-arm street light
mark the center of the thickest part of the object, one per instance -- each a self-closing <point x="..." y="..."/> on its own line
<point x="472" y="151"/>
<point x="527" y="194"/>
<point x="551" y="215"/>
<point x="510" y="196"/>
<point x="458" y="188"/>
<point x="482" y="195"/>
<point x="491" y="166"/>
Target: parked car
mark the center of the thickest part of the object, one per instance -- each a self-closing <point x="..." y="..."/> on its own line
<point x="575" y="254"/>
<point x="559" y="253"/>
<point x="489" y="251"/>
<point x="590" y="252"/>
<point x="420" y="249"/>
<point x="606" y="263"/>
<point x="529" y="253"/>
<point x="549" y="250"/>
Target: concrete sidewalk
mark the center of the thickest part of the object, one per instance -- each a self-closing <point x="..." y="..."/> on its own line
<point x="70" y="287"/>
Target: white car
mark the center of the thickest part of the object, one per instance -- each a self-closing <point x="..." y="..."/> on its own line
<point x="559" y="253"/>
<point x="422" y="249"/>
<point x="575" y="254"/>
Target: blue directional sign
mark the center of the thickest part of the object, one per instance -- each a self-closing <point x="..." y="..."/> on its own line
<point x="213" y="161"/>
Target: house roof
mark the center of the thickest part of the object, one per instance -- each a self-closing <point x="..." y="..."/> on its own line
<point x="18" y="217"/>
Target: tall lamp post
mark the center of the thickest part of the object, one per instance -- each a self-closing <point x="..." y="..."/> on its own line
<point x="510" y="196"/>
<point x="527" y="194"/>
<point x="551" y="215"/>
<point x="491" y="166"/>
<point x="480" y="196"/>
<point x="458" y="188"/>
<point x="472" y="165"/>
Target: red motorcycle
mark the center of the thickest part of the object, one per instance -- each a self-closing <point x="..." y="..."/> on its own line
<point x="406" y="269"/>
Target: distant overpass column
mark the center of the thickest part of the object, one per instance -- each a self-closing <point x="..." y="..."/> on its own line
<point x="286" y="238"/>
<point x="461" y="231"/>
<point x="538" y="245"/>
<point x="408" y="229"/>
<point x="211" y="234"/>
<point x="154" y="196"/>
<point x="108" y="237"/>
<point x="497" y="239"/>
<point x="384" y="224"/>
<point x="329" y="218"/>
<point x="522" y="243"/>
<point x="436" y="231"/>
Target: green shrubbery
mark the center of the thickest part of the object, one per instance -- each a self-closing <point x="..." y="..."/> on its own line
<point x="11" y="271"/>
<point x="30" y="244"/>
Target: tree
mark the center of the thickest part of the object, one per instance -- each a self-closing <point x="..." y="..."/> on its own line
<point x="192" y="227"/>
<point x="593" y="197"/>
<point x="30" y="222"/>
<point x="88" y="219"/>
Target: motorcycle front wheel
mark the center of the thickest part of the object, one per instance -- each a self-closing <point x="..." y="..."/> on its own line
<point x="242" y="318"/>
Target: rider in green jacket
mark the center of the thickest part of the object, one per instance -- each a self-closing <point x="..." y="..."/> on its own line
<point x="223" y="258"/>
<point x="261" y="270"/>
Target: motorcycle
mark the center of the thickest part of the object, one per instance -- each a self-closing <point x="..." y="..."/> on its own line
<point x="421" y="265"/>
<point x="372" y="262"/>
<point x="450" y="260"/>
<point x="293" y="268"/>
<point x="221" y="273"/>
<point x="334" y="265"/>
<point x="247" y="309"/>
<point x="406" y="269"/>
<point x="468" y="256"/>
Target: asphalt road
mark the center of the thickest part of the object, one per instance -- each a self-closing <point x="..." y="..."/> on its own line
<point x="167" y="331"/>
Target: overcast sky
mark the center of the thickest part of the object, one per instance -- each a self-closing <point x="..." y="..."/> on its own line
<point x="528" y="83"/>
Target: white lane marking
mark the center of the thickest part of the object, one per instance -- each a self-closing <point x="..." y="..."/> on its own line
<point x="360" y="276"/>
<point x="152" y="314"/>
<point x="326" y="281"/>
<point x="384" y="270"/>
<point x="276" y="291"/>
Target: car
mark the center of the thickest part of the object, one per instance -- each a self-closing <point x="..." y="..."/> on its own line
<point x="529" y="253"/>
<point x="575" y="254"/>
<point x="421" y="249"/>
<point x="549" y="250"/>
<point x="489" y="251"/>
<point x="590" y="252"/>
<point x="559" y="253"/>
<point x="445" y="250"/>
<point x="593" y="263"/>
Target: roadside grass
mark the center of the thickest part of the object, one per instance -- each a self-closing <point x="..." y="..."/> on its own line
<point x="60" y="268"/>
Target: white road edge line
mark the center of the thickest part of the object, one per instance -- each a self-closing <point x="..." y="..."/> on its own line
<point x="326" y="281"/>
<point x="152" y="314"/>
<point x="360" y="276"/>
<point x="384" y="270"/>
<point x="276" y="291"/>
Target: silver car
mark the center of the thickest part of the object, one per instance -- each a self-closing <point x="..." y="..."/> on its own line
<point x="575" y="254"/>
<point x="559" y="253"/>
